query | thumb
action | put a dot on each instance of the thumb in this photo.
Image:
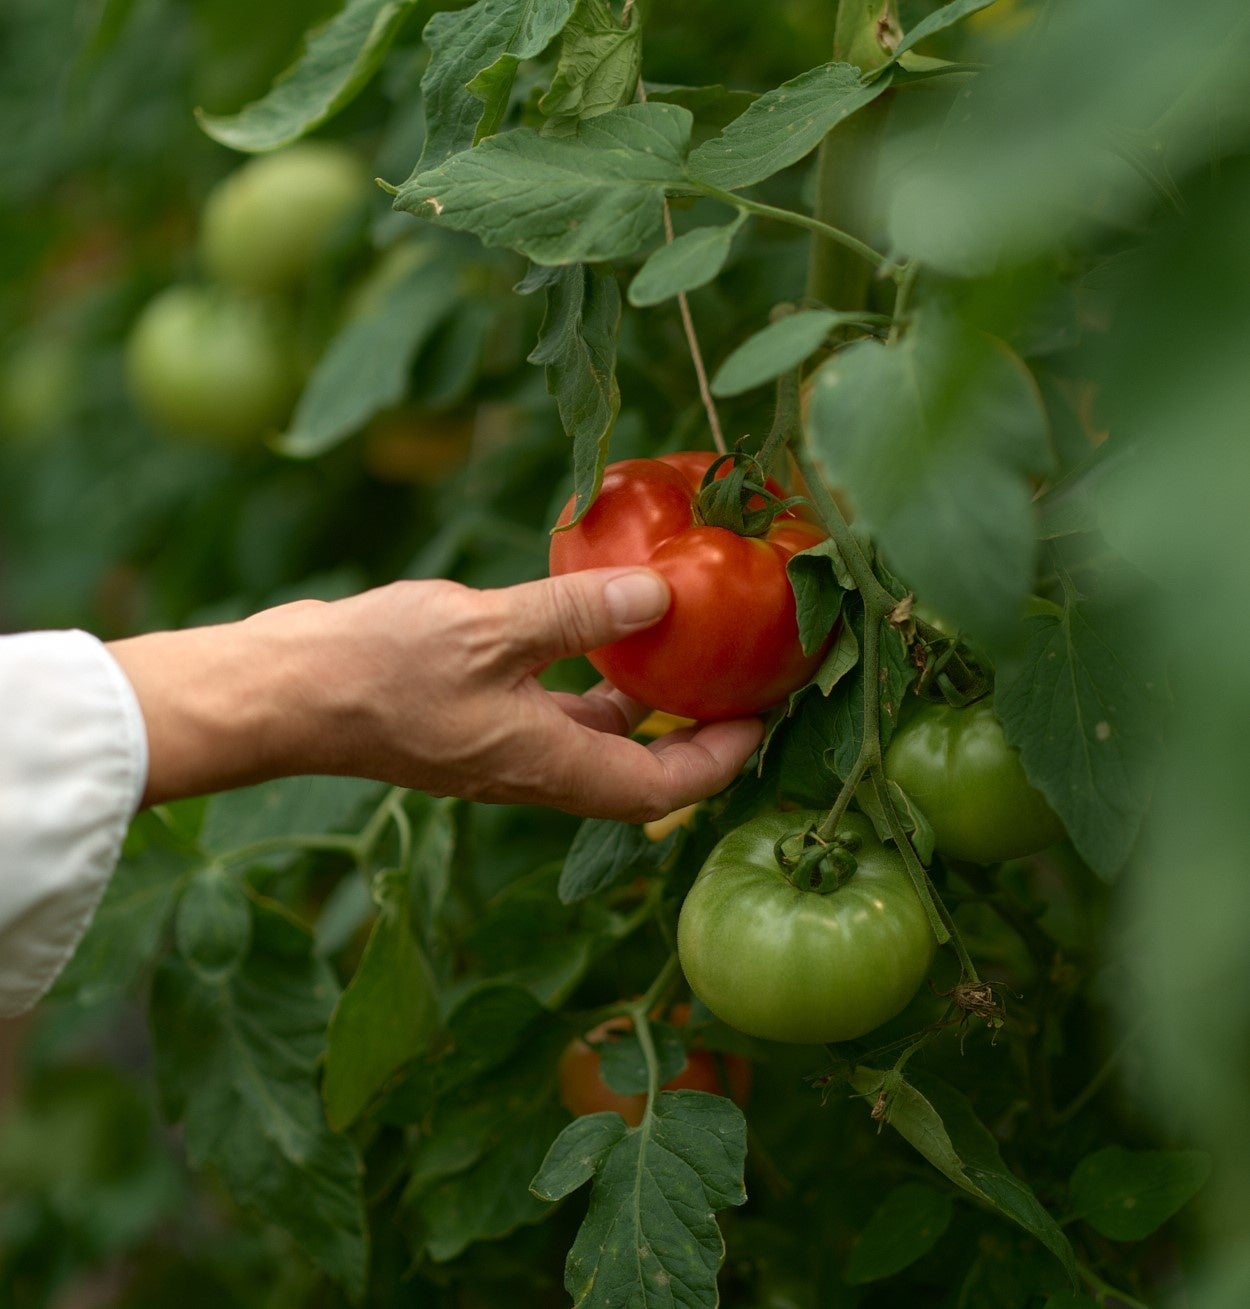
(577, 612)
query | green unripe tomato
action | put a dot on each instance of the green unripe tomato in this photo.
(211, 363)
(265, 226)
(779, 961)
(959, 768)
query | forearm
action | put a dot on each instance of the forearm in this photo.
(224, 706)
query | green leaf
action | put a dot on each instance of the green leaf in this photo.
(1069, 1300)
(933, 439)
(907, 1224)
(463, 45)
(365, 367)
(386, 1015)
(484, 1030)
(940, 1123)
(783, 125)
(600, 59)
(689, 261)
(213, 925)
(236, 1062)
(909, 815)
(433, 854)
(605, 852)
(714, 107)
(336, 62)
(651, 1229)
(526, 935)
(127, 929)
(1127, 1194)
(1029, 156)
(776, 349)
(286, 809)
(561, 200)
(577, 347)
(820, 580)
(468, 1167)
(1085, 705)
(939, 21)
(624, 1066)
(493, 87)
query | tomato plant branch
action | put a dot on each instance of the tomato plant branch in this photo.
(879, 261)
(1106, 1291)
(1099, 1079)
(877, 600)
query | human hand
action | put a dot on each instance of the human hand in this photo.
(427, 685)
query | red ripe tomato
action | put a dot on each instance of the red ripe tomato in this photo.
(729, 644)
(583, 1090)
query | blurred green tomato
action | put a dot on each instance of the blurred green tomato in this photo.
(265, 226)
(213, 363)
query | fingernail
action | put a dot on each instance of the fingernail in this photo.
(636, 598)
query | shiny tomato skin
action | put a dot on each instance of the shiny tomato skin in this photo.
(729, 644)
(787, 964)
(960, 769)
(583, 1090)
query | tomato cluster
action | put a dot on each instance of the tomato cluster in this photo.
(729, 644)
(218, 359)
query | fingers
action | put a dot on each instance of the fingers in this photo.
(577, 612)
(603, 708)
(602, 776)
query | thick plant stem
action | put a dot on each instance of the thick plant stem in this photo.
(845, 171)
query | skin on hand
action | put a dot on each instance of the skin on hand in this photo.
(428, 685)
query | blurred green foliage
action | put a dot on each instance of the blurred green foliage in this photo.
(1086, 200)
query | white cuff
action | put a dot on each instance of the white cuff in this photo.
(73, 767)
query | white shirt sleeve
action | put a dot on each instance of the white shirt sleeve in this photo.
(73, 766)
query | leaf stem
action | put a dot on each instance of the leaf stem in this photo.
(1105, 1290)
(687, 319)
(939, 916)
(879, 261)
(640, 1012)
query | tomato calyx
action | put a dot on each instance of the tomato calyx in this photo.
(739, 500)
(812, 863)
